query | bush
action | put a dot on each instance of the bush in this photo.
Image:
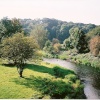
(37, 96)
(57, 89)
(59, 72)
(71, 77)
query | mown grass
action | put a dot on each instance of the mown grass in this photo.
(8, 88)
(39, 82)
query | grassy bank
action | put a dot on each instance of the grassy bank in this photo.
(40, 81)
(85, 59)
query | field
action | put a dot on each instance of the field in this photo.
(34, 80)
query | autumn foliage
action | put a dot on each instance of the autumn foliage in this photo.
(95, 46)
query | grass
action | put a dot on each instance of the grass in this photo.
(36, 77)
(8, 88)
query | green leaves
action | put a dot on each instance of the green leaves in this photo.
(18, 48)
(40, 34)
(78, 40)
(12, 26)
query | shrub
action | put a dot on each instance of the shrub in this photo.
(71, 77)
(57, 89)
(59, 72)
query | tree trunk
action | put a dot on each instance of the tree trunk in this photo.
(20, 71)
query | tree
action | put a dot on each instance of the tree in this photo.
(52, 48)
(12, 26)
(78, 40)
(2, 31)
(19, 49)
(95, 45)
(64, 31)
(56, 48)
(17, 27)
(40, 34)
(94, 32)
(74, 36)
(55, 41)
(48, 47)
(82, 45)
(66, 44)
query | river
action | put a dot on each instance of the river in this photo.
(88, 75)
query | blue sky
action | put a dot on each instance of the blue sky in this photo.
(86, 11)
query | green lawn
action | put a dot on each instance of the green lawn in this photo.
(12, 86)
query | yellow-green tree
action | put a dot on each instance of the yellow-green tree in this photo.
(40, 34)
(56, 48)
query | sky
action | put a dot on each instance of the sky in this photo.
(85, 11)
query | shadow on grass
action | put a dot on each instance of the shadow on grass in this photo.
(39, 68)
(9, 65)
(57, 89)
(55, 71)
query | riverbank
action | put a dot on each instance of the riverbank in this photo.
(40, 81)
(84, 59)
(87, 74)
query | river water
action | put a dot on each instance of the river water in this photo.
(88, 75)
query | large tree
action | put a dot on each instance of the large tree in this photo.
(94, 32)
(40, 34)
(95, 46)
(19, 49)
(12, 26)
(78, 40)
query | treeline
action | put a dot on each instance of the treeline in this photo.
(71, 35)
(54, 35)
(57, 29)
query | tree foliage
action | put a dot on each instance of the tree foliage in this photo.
(95, 46)
(78, 40)
(93, 33)
(18, 49)
(55, 41)
(12, 26)
(40, 34)
(57, 48)
(52, 47)
(48, 47)
(2, 31)
(57, 29)
(66, 44)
